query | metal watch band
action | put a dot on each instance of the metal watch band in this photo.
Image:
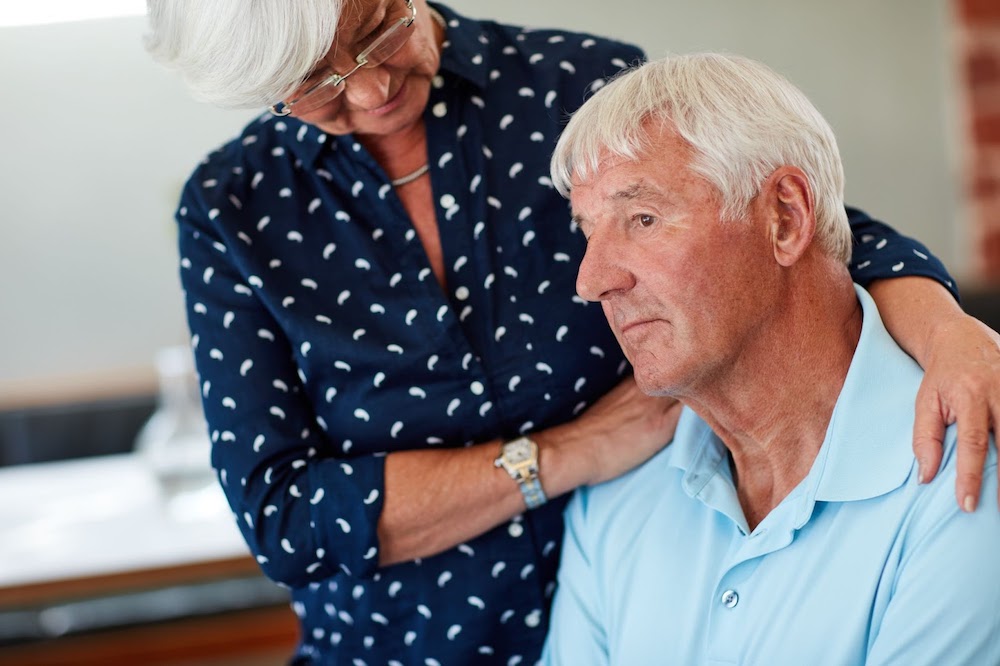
(534, 496)
(519, 458)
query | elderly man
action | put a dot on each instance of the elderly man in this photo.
(786, 524)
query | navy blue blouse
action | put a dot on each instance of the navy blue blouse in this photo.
(323, 341)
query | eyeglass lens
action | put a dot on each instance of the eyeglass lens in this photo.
(317, 94)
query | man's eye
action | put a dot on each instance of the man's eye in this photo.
(645, 220)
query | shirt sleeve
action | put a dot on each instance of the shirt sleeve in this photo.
(303, 512)
(881, 252)
(576, 631)
(945, 601)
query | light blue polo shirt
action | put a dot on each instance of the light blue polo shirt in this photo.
(858, 565)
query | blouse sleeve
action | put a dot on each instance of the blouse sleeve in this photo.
(880, 252)
(303, 512)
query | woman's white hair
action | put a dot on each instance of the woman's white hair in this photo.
(742, 119)
(241, 53)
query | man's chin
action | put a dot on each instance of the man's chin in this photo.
(650, 385)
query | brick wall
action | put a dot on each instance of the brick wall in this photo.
(979, 58)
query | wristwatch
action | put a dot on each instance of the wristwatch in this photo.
(519, 457)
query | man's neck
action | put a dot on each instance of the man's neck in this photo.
(772, 408)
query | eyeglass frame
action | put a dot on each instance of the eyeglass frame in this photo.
(283, 109)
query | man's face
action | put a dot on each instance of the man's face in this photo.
(683, 291)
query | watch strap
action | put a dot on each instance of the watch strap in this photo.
(534, 496)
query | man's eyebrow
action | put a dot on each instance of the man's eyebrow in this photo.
(635, 191)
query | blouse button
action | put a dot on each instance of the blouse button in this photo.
(447, 201)
(515, 530)
(477, 388)
(730, 598)
(462, 293)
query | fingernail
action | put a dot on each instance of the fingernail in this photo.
(921, 471)
(969, 505)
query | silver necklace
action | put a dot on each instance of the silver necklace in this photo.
(410, 177)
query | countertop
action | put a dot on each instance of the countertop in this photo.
(99, 565)
(102, 516)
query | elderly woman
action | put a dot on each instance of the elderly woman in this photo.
(394, 363)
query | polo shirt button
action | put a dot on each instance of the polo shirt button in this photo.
(515, 530)
(730, 598)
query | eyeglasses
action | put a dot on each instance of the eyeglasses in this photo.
(312, 96)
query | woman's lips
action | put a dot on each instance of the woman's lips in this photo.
(391, 104)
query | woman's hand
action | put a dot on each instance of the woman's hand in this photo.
(961, 385)
(961, 360)
(618, 432)
(438, 498)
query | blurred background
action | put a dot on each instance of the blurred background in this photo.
(97, 141)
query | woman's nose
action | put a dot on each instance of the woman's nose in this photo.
(368, 88)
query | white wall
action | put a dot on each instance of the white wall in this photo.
(96, 140)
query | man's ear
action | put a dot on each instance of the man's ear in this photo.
(792, 216)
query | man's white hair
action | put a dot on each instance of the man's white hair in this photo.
(241, 53)
(742, 119)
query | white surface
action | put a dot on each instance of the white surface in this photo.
(105, 515)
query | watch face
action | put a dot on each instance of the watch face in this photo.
(517, 451)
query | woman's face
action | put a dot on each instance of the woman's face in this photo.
(386, 99)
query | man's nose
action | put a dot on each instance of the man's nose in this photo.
(602, 272)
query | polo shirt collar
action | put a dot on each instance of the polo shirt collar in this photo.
(869, 439)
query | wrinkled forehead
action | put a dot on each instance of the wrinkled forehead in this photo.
(658, 144)
(589, 174)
